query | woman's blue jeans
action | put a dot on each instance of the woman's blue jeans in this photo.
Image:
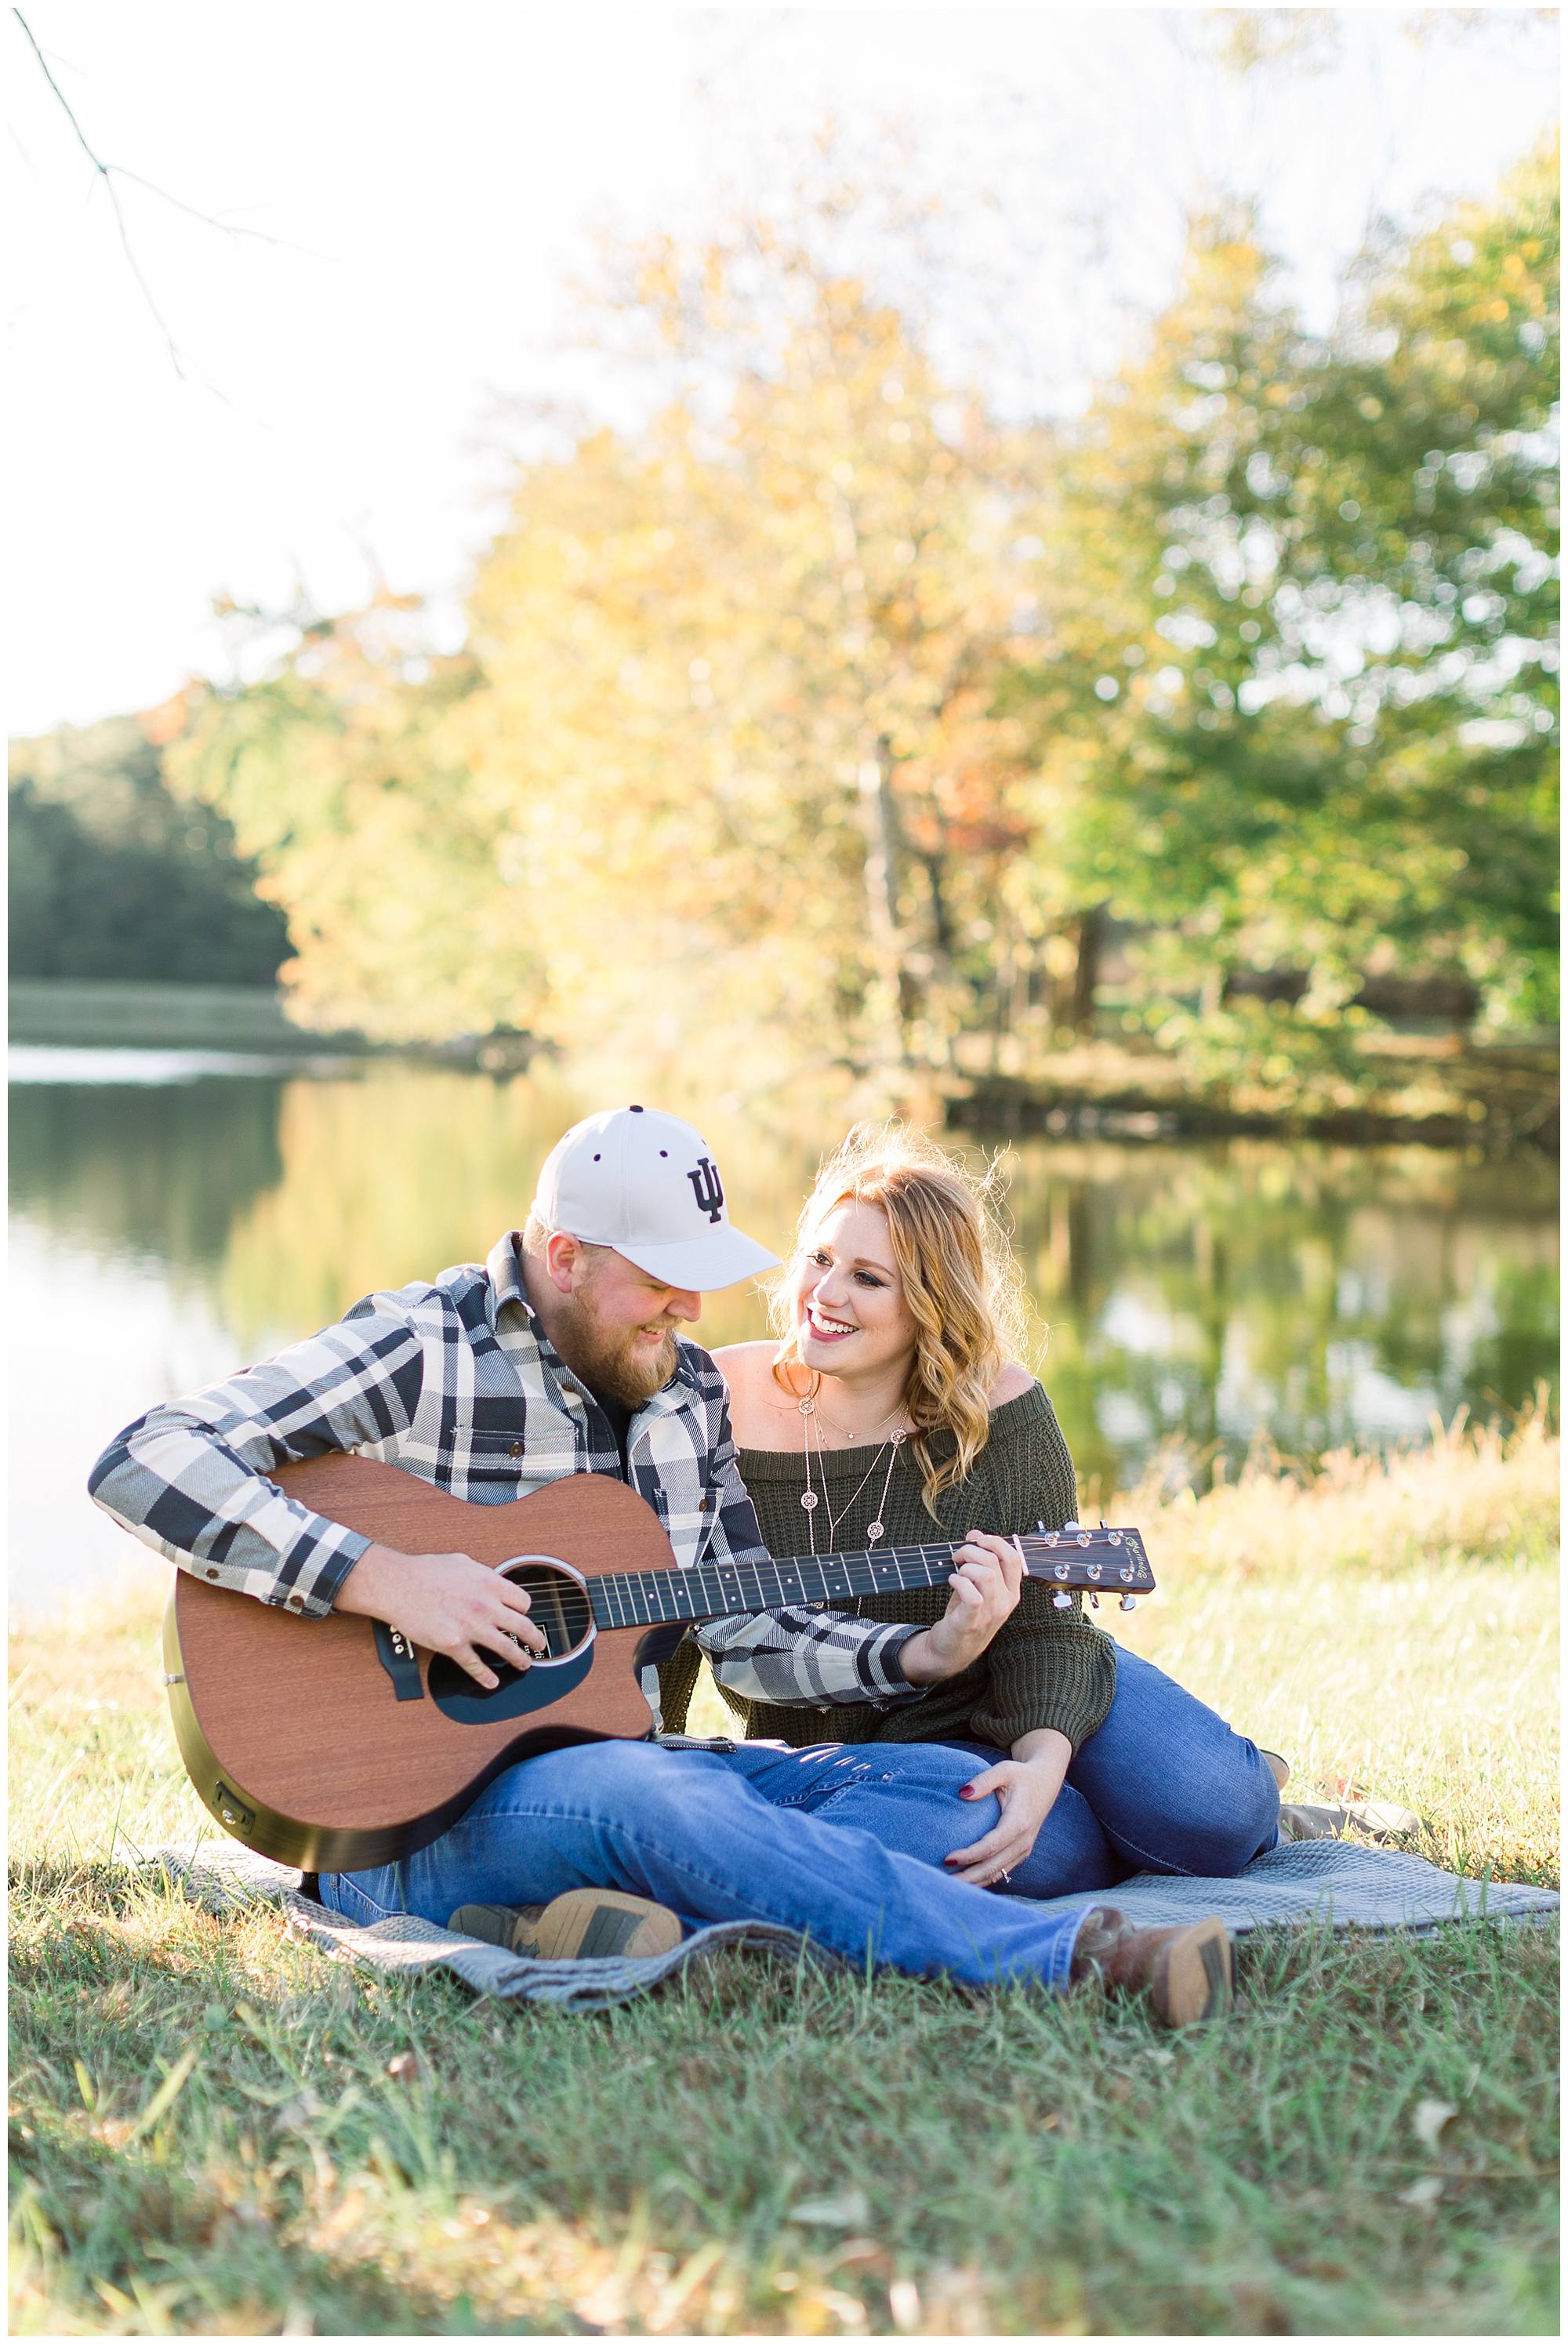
(846, 1841)
(1164, 1785)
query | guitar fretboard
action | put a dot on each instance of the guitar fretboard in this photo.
(642, 1599)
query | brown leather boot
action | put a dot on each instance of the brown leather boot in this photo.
(1186, 1972)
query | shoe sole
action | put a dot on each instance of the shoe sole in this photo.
(583, 1925)
(1194, 1975)
(599, 1924)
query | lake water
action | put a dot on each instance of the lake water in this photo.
(174, 1214)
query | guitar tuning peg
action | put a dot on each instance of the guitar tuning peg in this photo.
(1062, 1601)
(1129, 1603)
(1094, 1601)
(1040, 1526)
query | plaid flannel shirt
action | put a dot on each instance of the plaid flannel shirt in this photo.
(456, 1381)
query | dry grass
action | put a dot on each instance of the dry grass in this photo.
(1484, 1493)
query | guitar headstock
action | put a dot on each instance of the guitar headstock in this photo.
(1102, 1562)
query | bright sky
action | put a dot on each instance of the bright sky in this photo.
(430, 175)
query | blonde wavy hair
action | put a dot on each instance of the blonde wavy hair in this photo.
(961, 1283)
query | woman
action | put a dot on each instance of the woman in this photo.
(890, 1403)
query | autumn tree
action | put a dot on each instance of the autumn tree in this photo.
(741, 676)
(723, 756)
(331, 767)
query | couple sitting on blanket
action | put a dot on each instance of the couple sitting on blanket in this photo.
(911, 1773)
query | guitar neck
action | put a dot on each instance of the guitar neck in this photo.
(1109, 1559)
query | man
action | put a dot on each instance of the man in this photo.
(561, 1355)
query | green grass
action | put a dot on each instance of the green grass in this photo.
(218, 2130)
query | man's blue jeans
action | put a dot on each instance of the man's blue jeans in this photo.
(846, 1841)
(814, 1839)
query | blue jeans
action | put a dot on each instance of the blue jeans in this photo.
(821, 1839)
(1164, 1785)
(846, 1841)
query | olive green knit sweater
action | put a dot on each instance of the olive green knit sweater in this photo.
(1043, 1667)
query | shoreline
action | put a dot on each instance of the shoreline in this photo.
(1026, 1109)
(1435, 1091)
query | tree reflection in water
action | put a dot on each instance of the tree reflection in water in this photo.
(1214, 1292)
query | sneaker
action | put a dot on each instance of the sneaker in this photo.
(1186, 1972)
(1279, 1767)
(585, 1924)
(1373, 1818)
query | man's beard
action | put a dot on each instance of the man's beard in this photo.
(607, 1363)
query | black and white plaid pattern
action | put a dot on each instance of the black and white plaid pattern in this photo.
(456, 1381)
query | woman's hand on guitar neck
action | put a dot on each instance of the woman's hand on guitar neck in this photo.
(985, 1582)
(447, 1602)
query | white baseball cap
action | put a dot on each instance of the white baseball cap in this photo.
(647, 1185)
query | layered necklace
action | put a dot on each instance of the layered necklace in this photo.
(810, 1497)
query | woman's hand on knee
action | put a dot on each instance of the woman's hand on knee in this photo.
(1026, 1790)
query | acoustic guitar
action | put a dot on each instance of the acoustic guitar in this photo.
(336, 1744)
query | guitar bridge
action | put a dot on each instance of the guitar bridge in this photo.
(400, 1661)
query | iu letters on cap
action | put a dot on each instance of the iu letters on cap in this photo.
(707, 1188)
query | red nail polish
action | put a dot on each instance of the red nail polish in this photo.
(965, 1793)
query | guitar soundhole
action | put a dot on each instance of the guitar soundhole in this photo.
(558, 1605)
(559, 1608)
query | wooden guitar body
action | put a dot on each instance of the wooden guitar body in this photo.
(307, 1740)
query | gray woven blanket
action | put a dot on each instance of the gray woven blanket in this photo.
(1338, 1883)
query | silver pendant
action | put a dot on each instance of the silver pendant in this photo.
(873, 1532)
(808, 1498)
(806, 1406)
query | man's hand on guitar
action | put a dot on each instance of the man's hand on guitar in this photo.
(985, 1584)
(447, 1602)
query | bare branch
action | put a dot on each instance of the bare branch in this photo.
(225, 227)
(104, 171)
(59, 92)
(108, 173)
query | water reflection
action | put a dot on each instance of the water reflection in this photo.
(1311, 1294)
(1214, 1291)
(156, 1173)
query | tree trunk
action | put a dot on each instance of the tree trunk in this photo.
(1091, 938)
(894, 984)
(941, 924)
